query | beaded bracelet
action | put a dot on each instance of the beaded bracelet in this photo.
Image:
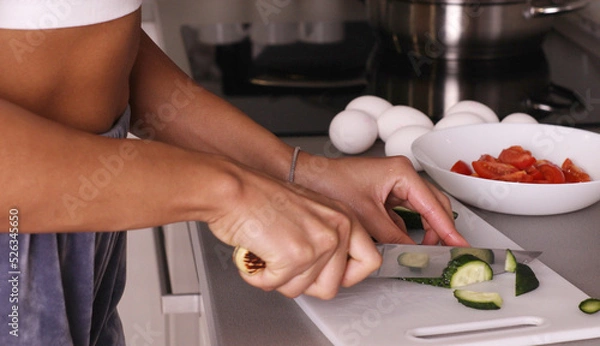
(293, 166)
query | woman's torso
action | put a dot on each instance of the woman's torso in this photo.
(77, 76)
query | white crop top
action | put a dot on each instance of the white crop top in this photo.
(54, 14)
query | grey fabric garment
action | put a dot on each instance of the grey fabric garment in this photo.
(65, 287)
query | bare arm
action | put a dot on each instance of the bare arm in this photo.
(63, 179)
(170, 107)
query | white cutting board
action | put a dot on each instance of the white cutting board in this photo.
(379, 312)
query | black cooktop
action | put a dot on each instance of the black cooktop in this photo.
(559, 84)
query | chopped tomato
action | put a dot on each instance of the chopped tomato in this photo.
(492, 170)
(461, 167)
(535, 173)
(518, 177)
(574, 174)
(517, 156)
(552, 173)
(487, 158)
(517, 164)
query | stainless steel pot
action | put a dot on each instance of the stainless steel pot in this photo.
(514, 84)
(465, 29)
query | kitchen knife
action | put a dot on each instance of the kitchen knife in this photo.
(408, 261)
(419, 261)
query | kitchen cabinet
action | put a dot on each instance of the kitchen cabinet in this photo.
(140, 307)
(151, 316)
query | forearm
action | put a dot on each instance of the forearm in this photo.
(64, 180)
(169, 107)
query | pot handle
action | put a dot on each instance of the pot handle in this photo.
(555, 7)
(556, 99)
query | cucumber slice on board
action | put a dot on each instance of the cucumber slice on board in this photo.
(590, 305)
(525, 279)
(411, 218)
(483, 254)
(461, 271)
(479, 300)
(466, 270)
(510, 264)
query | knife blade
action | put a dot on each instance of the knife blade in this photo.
(428, 261)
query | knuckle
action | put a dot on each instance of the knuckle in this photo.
(342, 220)
(301, 254)
(328, 241)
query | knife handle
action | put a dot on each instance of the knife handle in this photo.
(247, 262)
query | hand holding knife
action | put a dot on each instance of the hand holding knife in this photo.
(437, 259)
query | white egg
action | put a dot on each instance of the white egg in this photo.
(519, 118)
(372, 105)
(473, 107)
(401, 116)
(353, 131)
(401, 140)
(458, 119)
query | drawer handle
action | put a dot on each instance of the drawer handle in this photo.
(172, 303)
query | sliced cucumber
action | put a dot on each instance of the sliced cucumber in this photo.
(411, 218)
(483, 254)
(510, 264)
(525, 280)
(479, 300)
(417, 260)
(467, 269)
(590, 305)
(437, 281)
(461, 271)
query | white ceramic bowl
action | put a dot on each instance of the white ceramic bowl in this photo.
(437, 151)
